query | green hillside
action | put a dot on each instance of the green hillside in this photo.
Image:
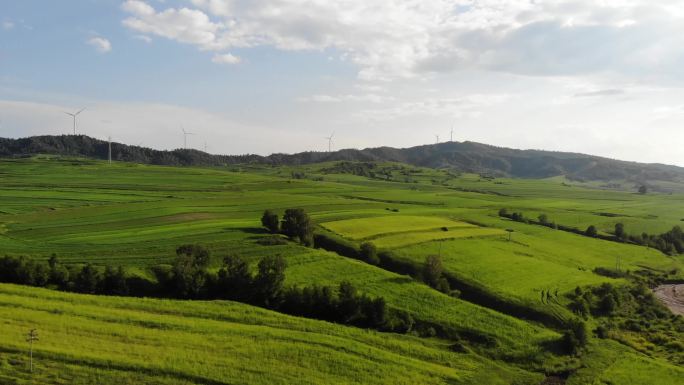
(136, 215)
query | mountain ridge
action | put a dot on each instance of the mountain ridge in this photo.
(461, 156)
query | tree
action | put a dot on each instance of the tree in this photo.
(114, 281)
(88, 279)
(503, 212)
(619, 230)
(608, 304)
(270, 221)
(576, 336)
(369, 253)
(189, 274)
(348, 305)
(297, 224)
(234, 279)
(591, 231)
(643, 189)
(543, 219)
(433, 270)
(268, 283)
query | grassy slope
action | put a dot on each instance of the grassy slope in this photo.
(136, 215)
(86, 339)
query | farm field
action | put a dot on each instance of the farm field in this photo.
(109, 340)
(136, 215)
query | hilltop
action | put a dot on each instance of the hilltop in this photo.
(466, 156)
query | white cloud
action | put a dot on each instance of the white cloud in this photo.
(7, 25)
(144, 38)
(409, 38)
(184, 25)
(226, 59)
(100, 44)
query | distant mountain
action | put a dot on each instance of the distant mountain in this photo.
(461, 156)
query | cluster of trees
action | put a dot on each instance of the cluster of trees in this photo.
(597, 301)
(296, 224)
(189, 278)
(542, 219)
(671, 242)
(630, 308)
(82, 279)
(344, 305)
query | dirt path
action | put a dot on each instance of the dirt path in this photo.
(672, 296)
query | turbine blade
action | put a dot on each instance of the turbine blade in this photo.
(83, 109)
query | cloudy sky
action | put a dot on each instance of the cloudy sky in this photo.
(604, 77)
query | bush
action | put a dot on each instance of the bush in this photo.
(591, 231)
(270, 221)
(576, 337)
(369, 253)
(297, 224)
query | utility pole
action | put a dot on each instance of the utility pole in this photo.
(110, 150)
(32, 336)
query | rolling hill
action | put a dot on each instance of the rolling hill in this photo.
(468, 157)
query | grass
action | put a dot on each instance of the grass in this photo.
(136, 215)
(125, 341)
(368, 227)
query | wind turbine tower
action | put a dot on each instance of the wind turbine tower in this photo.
(110, 149)
(185, 138)
(452, 134)
(330, 138)
(437, 138)
(74, 115)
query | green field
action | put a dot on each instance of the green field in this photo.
(136, 215)
(87, 340)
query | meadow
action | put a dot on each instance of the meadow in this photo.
(136, 215)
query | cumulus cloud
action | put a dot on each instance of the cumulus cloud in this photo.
(409, 38)
(226, 58)
(100, 44)
(7, 25)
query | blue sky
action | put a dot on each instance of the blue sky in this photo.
(268, 76)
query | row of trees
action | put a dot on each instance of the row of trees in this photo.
(83, 279)
(671, 242)
(189, 278)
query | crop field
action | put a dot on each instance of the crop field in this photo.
(136, 215)
(109, 340)
(371, 227)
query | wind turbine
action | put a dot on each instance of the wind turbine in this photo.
(452, 133)
(185, 137)
(437, 138)
(330, 138)
(74, 115)
(109, 139)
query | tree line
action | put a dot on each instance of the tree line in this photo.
(671, 242)
(189, 278)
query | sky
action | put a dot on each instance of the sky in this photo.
(604, 77)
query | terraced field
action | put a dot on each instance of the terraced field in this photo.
(135, 215)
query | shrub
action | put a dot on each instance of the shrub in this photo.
(297, 224)
(591, 231)
(270, 221)
(369, 253)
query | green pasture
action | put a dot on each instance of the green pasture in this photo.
(368, 227)
(125, 341)
(136, 215)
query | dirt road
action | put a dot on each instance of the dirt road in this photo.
(672, 296)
